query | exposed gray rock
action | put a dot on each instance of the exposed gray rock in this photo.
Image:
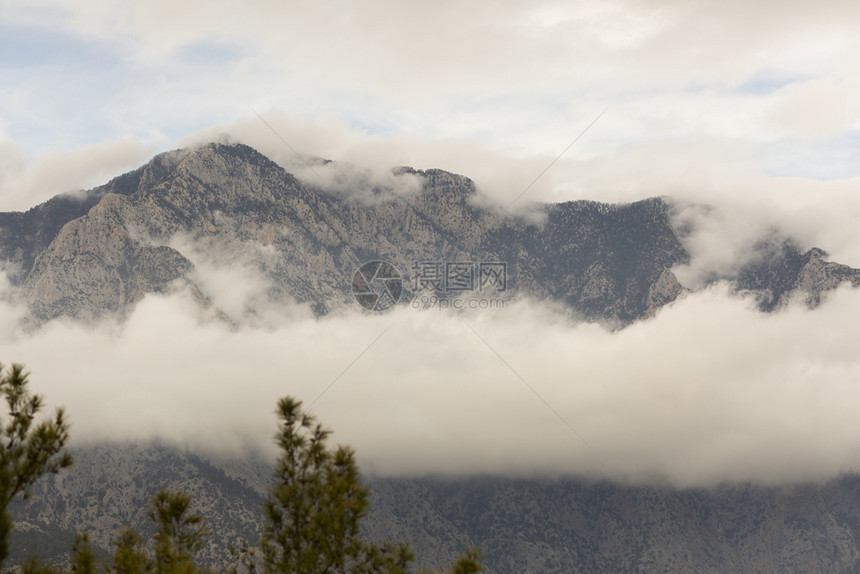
(104, 254)
(101, 251)
(783, 271)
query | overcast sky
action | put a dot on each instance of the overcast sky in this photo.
(768, 85)
(724, 101)
(753, 107)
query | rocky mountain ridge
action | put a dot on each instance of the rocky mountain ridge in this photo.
(103, 250)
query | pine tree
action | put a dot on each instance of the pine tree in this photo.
(314, 509)
(179, 535)
(129, 556)
(83, 557)
(313, 512)
(27, 451)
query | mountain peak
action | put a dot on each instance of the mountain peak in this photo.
(606, 262)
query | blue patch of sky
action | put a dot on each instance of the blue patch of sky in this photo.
(34, 47)
(50, 80)
(835, 158)
(61, 90)
(767, 81)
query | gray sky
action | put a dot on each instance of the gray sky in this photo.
(749, 106)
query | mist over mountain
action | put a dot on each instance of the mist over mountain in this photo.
(103, 250)
(621, 378)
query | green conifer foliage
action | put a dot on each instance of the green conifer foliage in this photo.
(28, 449)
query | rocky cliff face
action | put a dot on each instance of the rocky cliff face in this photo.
(782, 271)
(102, 251)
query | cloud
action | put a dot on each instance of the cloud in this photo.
(361, 161)
(518, 77)
(230, 275)
(26, 182)
(708, 391)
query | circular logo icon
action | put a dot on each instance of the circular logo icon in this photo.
(377, 285)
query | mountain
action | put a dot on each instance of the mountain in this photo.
(101, 251)
(153, 230)
(521, 525)
(109, 487)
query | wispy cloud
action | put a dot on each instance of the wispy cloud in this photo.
(25, 182)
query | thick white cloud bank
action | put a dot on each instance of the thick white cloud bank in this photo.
(708, 391)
